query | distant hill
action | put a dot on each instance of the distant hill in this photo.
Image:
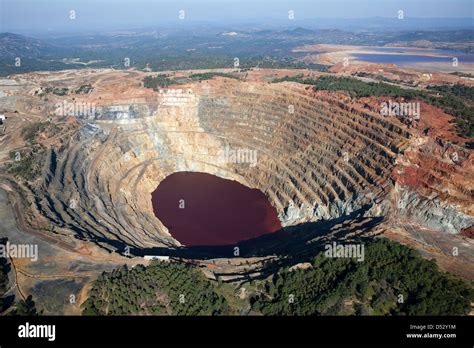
(14, 45)
(301, 31)
(208, 48)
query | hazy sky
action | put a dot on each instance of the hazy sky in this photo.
(45, 15)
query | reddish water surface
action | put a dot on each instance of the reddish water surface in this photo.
(216, 211)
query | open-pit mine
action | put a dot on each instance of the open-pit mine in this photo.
(96, 144)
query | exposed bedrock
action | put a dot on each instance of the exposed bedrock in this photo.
(431, 212)
(313, 156)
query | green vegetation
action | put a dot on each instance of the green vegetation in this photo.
(27, 164)
(318, 67)
(161, 288)
(157, 82)
(354, 87)
(58, 91)
(187, 62)
(450, 99)
(455, 106)
(393, 280)
(4, 270)
(457, 89)
(462, 74)
(410, 83)
(54, 90)
(247, 61)
(32, 130)
(84, 89)
(257, 47)
(25, 307)
(279, 63)
(163, 81)
(211, 75)
(22, 307)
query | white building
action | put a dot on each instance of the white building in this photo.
(2, 117)
(156, 257)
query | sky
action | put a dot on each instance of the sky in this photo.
(43, 15)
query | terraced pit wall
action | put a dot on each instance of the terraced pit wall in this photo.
(317, 157)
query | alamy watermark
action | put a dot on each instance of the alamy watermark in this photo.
(400, 109)
(19, 251)
(76, 109)
(237, 156)
(37, 331)
(335, 250)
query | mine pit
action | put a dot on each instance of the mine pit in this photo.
(325, 159)
(203, 209)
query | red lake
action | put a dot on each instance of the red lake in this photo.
(203, 209)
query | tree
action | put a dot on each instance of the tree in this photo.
(25, 307)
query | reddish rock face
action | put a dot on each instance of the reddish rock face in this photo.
(202, 209)
(468, 232)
